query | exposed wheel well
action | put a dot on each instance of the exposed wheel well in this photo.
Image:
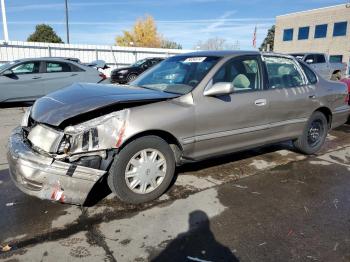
(335, 72)
(168, 137)
(328, 113)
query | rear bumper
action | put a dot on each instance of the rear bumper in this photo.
(340, 117)
(46, 178)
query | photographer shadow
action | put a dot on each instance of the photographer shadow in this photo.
(197, 244)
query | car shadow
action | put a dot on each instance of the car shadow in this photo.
(15, 104)
(102, 190)
(233, 157)
(197, 244)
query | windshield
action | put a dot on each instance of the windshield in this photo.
(178, 74)
(140, 62)
(7, 65)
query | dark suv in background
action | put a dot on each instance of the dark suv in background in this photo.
(127, 74)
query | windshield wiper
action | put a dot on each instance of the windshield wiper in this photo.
(156, 89)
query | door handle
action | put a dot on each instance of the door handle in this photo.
(312, 97)
(36, 77)
(73, 74)
(260, 102)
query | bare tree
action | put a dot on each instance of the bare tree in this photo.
(215, 43)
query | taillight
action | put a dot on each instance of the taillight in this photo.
(103, 76)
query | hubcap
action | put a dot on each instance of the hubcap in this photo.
(145, 171)
(131, 78)
(315, 133)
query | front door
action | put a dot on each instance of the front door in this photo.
(59, 75)
(236, 121)
(24, 85)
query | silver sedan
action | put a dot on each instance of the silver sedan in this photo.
(29, 79)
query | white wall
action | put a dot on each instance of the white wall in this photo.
(114, 56)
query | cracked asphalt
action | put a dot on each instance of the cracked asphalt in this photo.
(267, 204)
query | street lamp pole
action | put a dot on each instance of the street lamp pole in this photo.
(67, 25)
(4, 21)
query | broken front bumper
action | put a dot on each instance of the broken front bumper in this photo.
(46, 178)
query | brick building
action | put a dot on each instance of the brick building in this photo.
(325, 30)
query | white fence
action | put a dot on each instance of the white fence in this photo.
(114, 56)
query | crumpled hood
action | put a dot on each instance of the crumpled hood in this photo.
(79, 98)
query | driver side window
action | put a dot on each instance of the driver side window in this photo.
(243, 72)
(26, 68)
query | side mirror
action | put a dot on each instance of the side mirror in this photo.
(7, 73)
(309, 61)
(221, 88)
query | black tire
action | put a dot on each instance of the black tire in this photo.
(131, 77)
(309, 143)
(116, 177)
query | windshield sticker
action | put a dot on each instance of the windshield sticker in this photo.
(194, 60)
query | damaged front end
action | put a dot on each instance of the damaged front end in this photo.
(64, 165)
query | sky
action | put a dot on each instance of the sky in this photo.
(184, 21)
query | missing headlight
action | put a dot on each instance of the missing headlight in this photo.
(45, 138)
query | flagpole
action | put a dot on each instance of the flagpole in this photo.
(67, 23)
(4, 21)
(254, 37)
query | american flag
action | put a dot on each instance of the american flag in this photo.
(254, 38)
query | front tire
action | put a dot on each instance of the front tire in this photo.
(314, 135)
(142, 171)
(131, 78)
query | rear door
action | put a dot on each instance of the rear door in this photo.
(24, 85)
(292, 97)
(85, 74)
(58, 75)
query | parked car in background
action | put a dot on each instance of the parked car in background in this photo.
(29, 79)
(190, 107)
(127, 74)
(347, 82)
(321, 64)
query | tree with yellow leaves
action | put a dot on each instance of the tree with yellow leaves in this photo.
(144, 34)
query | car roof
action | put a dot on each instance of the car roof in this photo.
(220, 53)
(229, 53)
(307, 53)
(154, 58)
(58, 59)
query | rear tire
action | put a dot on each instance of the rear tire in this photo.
(139, 163)
(314, 134)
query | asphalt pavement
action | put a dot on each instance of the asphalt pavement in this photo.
(267, 204)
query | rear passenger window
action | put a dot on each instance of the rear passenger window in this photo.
(242, 72)
(311, 77)
(283, 72)
(57, 67)
(76, 68)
